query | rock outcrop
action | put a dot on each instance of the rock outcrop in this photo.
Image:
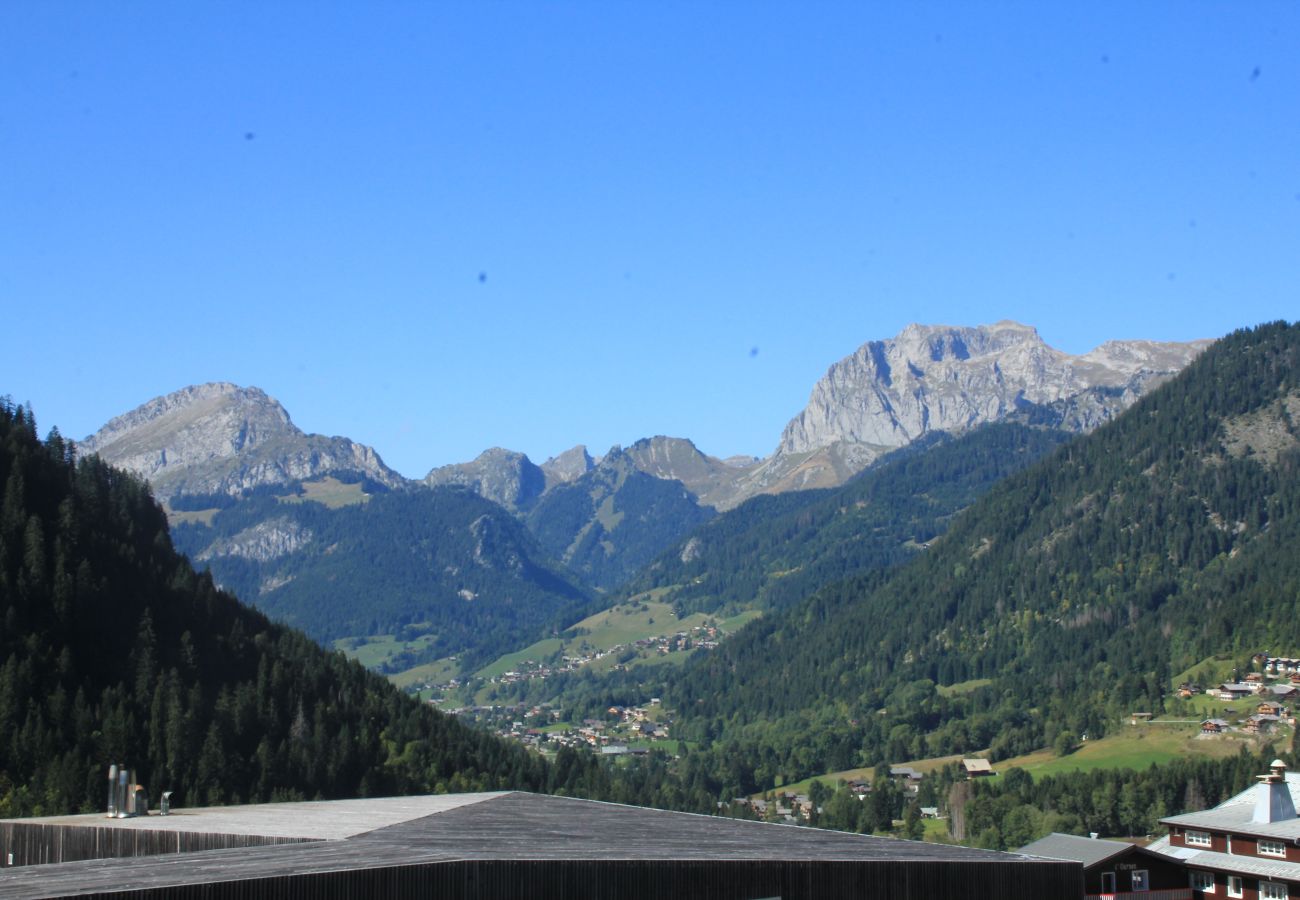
(942, 378)
(570, 465)
(220, 438)
(502, 476)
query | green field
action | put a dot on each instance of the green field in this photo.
(964, 687)
(1209, 671)
(330, 492)
(376, 650)
(1132, 747)
(439, 672)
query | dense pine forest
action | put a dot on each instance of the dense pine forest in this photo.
(443, 563)
(113, 649)
(774, 550)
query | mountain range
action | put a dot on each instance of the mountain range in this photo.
(234, 471)
(1028, 586)
(1068, 595)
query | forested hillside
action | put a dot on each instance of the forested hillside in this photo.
(772, 551)
(1072, 590)
(112, 649)
(613, 520)
(443, 566)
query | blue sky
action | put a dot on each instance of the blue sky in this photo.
(439, 227)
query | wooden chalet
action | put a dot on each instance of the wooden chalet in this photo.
(1247, 847)
(977, 768)
(494, 845)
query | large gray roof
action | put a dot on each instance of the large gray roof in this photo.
(1235, 814)
(1088, 851)
(507, 826)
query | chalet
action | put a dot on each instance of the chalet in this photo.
(1116, 869)
(1213, 726)
(977, 768)
(1188, 689)
(859, 788)
(929, 812)
(907, 774)
(1260, 724)
(1271, 708)
(1246, 847)
(1234, 690)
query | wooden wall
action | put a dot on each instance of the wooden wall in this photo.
(38, 844)
(646, 880)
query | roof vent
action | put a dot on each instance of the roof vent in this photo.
(1273, 801)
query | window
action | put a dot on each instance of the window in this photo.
(1201, 881)
(1271, 848)
(1197, 838)
(1272, 890)
(1234, 886)
(1108, 882)
(1140, 880)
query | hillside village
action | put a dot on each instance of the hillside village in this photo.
(623, 654)
(1267, 697)
(625, 730)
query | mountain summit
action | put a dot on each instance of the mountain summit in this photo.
(220, 438)
(945, 378)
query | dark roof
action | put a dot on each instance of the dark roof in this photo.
(499, 827)
(1088, 851)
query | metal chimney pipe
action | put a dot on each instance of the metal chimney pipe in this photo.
(112, 791)
(122, 776)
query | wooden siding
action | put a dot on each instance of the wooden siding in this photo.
(41, 844)
(645, 880)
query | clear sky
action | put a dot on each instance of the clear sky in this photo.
(440, 227)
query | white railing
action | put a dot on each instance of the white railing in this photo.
(1169, 894)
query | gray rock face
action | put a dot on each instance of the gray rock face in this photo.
(262, 542)
(570, 465)
(929, 378)
(220, 438)
(712, 480)
(502, 476)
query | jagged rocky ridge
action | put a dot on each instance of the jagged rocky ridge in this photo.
(944, 378)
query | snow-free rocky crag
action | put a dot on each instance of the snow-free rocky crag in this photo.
(220, 438)
(942, 378)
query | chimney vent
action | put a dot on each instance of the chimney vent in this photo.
(1273, 801)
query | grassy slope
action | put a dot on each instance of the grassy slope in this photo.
(1135, 747)
(626, 623)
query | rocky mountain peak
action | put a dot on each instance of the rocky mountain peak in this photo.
(952, 378)
(570, 465)
(223, 438)
(502, 476)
